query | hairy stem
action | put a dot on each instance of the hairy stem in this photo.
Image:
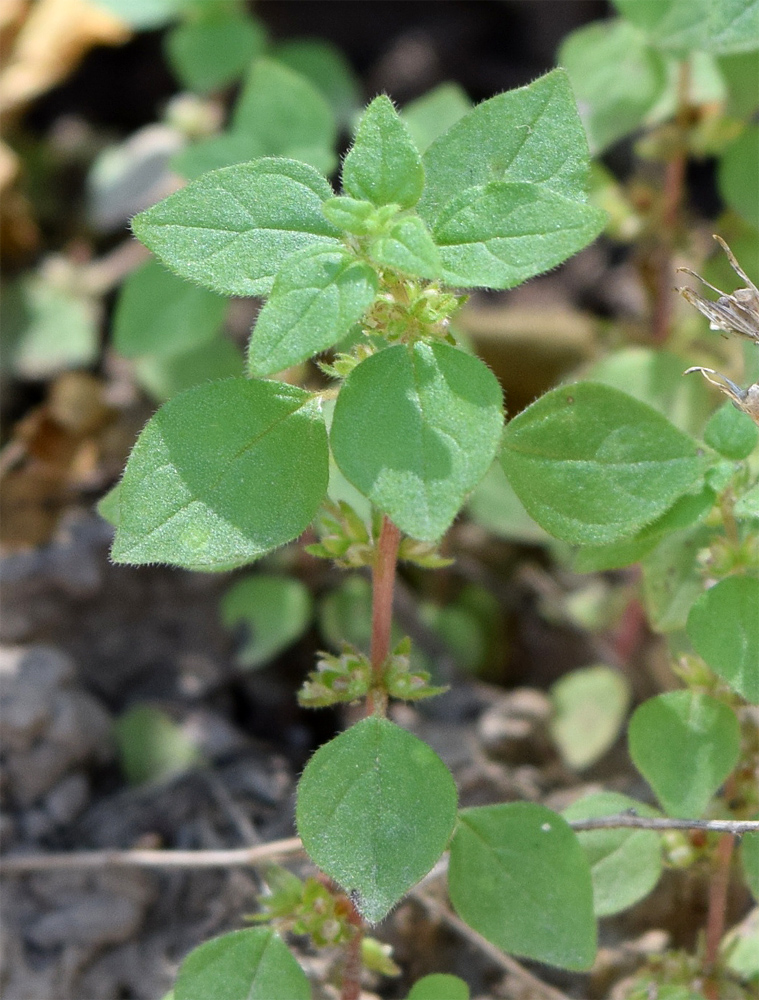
(715, 921)
(383, 581)
(351, 986)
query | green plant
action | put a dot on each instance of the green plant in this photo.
(228, 471)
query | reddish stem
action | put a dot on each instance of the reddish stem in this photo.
(715, 921)
(351, 986)
(383, 582)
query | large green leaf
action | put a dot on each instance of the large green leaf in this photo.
(275, 610)
(682, 25)
(376, 807)
(232, 229)
(165, 375)
(383, 166)
(616, 76)
(316, 299)
(519, 876)
(684, 744)
(222, 474)
(723, 626)
(672, 578)
(592, 465)
(328, 70)
(158, 313)
(625, 865)
(415, 429)
(431, 115)
(589, 708)
(253, 964)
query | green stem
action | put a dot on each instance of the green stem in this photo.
(383, 582)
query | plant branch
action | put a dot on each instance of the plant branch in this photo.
(383, 581)
(18, 864)
(715, 922)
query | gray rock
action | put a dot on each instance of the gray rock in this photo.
(33, 773)
(25, 713)
(92, 920)
(67, 800)
(42, 667)
(514, 730)
(81, 727)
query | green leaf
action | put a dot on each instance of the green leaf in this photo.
(46, 328)
(747, 506)
(415, 429)
(164, 376)
(738, 175)
(253, 964)
(731, 433)
(723, 626)
(375, 809)
(520, 207)
(222, 474)
(108, 506)
(656, 378)
(232, 229)
(519, 876)
(683, 25)
(327, 69)
(383, 165)
(589, 707)
(741, 73)
(592, 465)
(212, 51)
(431, 115)
(499, 234)
(672, 578)
(625, 865)
(439, 986)
(316, 299)
(345, 614)
(750, 862)
(152, 747)
(690, 509)
(495, 506)
(349, 213)
(282, 111)
(684, 735)
(616, 76)
(276, 611)
(407, 246)
(158, 313)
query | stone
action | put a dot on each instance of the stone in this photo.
(91, 920)
(81, 727)
(25, 713)
(33, 773)
(42, 667)
(67, 800)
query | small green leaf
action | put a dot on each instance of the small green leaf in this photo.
(144, 15)
(164, 376)
(316, 299)
(212, 51)
(328, 70)
(723, 626)
(431, 115)
(276, 611)
(684, 744)
(232, 229)
(519, 876)
(158, 313)
(282, 110)
(46, 328)
(750, 862)
(222, 474)
(252, 964)
(741, 73)
(349, 213)
(672, 579)
(439, 986)
(407, 246)
(375, 809)
(152, 747)
(589, 708)
(383, 166)
(625, 865)
(616, 76)
(415, 429)
(747, 506)
(738, 174)
(684, 25)
(499, 234)
(532, 135)
(592, 465)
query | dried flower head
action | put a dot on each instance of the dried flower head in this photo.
(734, 313)
(746, 400)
